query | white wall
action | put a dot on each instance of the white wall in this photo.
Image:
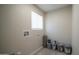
(59, 24)
(75, 29)
(15, 19)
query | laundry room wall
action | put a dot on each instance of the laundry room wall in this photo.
(59, 24)
(14, 21)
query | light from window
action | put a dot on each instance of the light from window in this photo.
(37, 21)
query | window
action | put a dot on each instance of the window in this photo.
(37, 21)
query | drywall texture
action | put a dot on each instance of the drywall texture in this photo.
(15, 19)
(75, 30)
(59, 24)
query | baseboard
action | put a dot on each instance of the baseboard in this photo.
(34, 52)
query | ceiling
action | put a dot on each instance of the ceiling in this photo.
(50, 7)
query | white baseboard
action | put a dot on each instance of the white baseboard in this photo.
(34, 52)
